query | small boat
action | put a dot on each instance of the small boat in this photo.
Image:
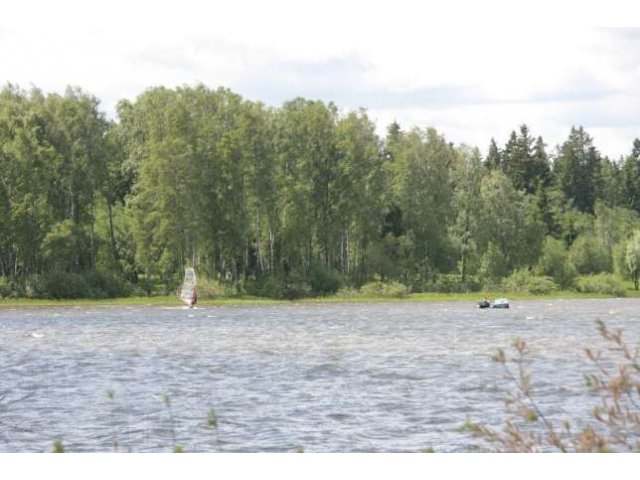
(500, 303)
(483, 304)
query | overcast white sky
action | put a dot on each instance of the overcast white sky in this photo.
(473, 70)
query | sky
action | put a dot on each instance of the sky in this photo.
(472, 70)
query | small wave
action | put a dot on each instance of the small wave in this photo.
(34, 334)
(338, 416)
(326, 369)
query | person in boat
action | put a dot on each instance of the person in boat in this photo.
(194, 299)
(484, 303)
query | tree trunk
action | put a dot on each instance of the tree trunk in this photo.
(271, 248)
(112, 236)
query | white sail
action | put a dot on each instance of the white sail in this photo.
(188, 292)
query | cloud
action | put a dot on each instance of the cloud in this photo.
(442, 67)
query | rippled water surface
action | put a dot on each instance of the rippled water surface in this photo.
(338, 378)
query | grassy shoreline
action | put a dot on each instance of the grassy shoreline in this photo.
(169, 300)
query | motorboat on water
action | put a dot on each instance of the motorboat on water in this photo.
(497, 303)
(500, 303)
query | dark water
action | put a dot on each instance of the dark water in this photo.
(330, 378)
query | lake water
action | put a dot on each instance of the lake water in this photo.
(389, 377)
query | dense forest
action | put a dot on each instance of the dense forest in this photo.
(295, 201)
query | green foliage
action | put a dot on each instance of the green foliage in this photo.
(510, 232)
(107, 284)
(287, 287)
(452, 283)
(493, 266)
(92, 284)
(604, 283)
(324, 281)
(294, 287)
(260, 198)
(631, 178)
(57, 284)
(524, 281)
(632, 258)
(58, 447)
(385, 289)
(209, 289)
(11, 288)
(554, 262)
(589, 255)
(264, 286)
(577, 170)
(212, 419)
(61, 246)
(524, 161)
(389, 255)
(422, 190)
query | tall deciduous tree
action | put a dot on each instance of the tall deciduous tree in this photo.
(360, 192)
(52, 164)
(468, 172)
(422, 187)
(632, 258)
(307, 159)
(510, 224)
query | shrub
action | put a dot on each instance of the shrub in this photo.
(617, 416)
(324, 281)
(9, 287)
(349, 292)
(603, 283)
(294, 288)
(264, 286)
(107, 284)
(210, 288)
(524, 281)
(450, 283)
(554, 262)
(493, 266)
(589, 255)
(385, 289)
(289, 287)
(61, 285)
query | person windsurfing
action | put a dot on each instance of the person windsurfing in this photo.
(188, 292)
(194, 299)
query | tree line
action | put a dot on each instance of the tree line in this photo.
(293, 201)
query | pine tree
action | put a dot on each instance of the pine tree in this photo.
(494, 157)
(514, 160)
(539, 171)
(631, 178)
(577, 170)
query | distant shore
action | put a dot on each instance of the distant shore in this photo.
(169, 300)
